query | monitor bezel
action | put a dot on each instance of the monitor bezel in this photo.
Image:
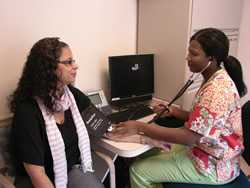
(133, 98)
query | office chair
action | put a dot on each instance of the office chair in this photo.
(246, 130)
(240, 182)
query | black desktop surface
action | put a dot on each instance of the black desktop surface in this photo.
(132, 113)
(170, 122)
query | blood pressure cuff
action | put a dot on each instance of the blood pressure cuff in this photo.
(95, 121)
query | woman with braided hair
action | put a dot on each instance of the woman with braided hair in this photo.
(209, 144)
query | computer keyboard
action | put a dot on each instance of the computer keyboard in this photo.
(133, 113)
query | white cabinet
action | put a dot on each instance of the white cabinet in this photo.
(164, 28)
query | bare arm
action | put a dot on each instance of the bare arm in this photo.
(174, 135)
(38, 176)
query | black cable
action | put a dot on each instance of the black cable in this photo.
(178, 95)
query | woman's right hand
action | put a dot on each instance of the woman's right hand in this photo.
(123, 129)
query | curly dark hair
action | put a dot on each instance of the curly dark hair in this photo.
(38, 78)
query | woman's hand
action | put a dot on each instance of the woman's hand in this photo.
(127, 128)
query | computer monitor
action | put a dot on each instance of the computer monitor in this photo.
(131, 78)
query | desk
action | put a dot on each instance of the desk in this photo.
(123, 149)
(126, 149)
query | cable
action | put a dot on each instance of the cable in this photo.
(178, 95)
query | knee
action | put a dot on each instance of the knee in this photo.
(135, 169)
(135, 176)
(131, 170)
(139, 175)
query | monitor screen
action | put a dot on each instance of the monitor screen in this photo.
(95, 99)
(131, 76)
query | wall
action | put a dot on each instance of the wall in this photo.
(95, 29)
(162, 29)
(244, 45)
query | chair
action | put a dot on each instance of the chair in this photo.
(6, 170)
(103, 160)
(246, 130)
(240, 182)
(104, 164)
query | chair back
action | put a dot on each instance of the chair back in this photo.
(7, 172)
(6, 167)
(246, 130)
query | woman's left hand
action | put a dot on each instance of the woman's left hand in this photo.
(127, 128)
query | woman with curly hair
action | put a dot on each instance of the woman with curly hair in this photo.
(50, 142)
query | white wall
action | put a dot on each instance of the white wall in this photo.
(95, 29)
(244, 45)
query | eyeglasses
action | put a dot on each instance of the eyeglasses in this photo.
(67, 62)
